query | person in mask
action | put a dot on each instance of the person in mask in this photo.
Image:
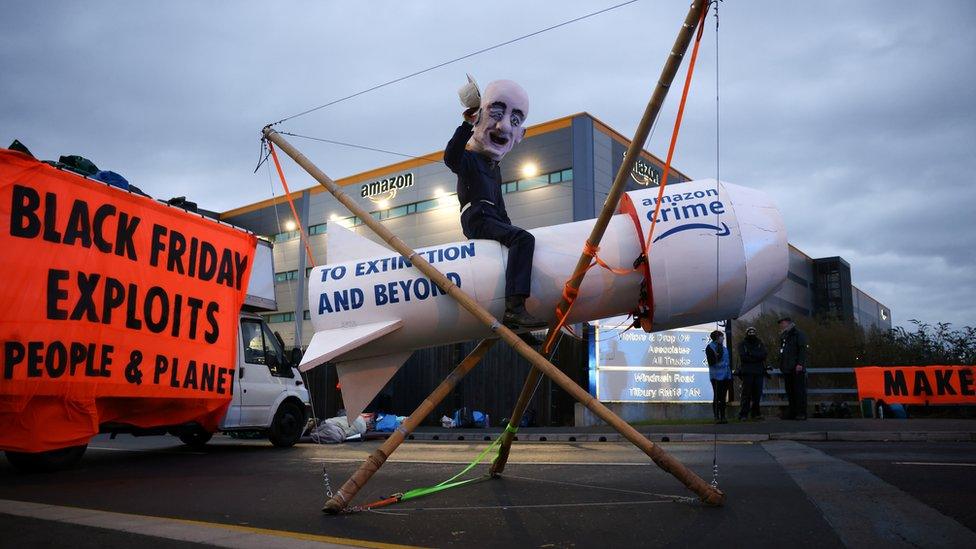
(493, 124)
(752, 368)
(792, 364)
(720, 374)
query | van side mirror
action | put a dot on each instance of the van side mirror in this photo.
(295, 356)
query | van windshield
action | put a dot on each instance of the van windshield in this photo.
(262, 347)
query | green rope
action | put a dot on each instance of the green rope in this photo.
(453, 482)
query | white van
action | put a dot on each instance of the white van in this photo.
(269, 396)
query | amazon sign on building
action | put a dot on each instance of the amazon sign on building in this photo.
(561, 172)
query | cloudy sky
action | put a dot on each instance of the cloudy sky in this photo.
(858, 117)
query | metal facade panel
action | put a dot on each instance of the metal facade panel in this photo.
(583, 206)
(603, 169)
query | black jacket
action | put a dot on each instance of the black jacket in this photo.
(792, 350)
(752, 356)
(479, 177)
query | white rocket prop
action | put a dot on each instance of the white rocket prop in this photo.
(719, 250)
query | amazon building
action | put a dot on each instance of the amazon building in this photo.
(561, 172)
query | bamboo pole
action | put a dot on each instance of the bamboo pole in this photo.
(348, 491)
(695, 13)
(706, 492)
(505, 446)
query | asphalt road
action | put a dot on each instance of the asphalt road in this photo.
(553, 494)
(941, 475)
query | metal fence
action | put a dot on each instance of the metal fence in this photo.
(824, 386)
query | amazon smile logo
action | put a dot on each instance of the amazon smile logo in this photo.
(386, 189)
(644, 174)
(719, 231)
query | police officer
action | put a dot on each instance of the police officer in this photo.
(752, 369)
(793, 366)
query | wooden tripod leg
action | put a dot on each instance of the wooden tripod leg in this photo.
(498, 466)
(376, 460)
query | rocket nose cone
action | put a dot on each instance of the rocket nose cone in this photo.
(764, 243)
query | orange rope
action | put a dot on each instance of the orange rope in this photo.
(570, 293)
(291, 203)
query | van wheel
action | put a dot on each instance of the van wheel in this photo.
(195, 437)
(45, 462)
(287, 426)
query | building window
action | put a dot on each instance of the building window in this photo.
(425, 205)
(287, 235)
(307, 315)
(286, 276)
(278, 318)
(796, 278)
(319, 228)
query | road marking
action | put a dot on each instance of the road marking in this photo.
(147, 451)
(935, 463)
(864, 510)
(452, 462)
(595, 487)
(212, 533)
(535, 505)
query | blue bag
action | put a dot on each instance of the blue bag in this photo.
(386, 423)
(479, 419)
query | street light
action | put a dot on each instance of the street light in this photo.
(530, 169)
(289, 225)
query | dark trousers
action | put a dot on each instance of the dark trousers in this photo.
(485, 221)
(796, 392)
(752, 386)
(720, 391)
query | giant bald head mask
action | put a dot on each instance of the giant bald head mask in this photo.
(504, 106)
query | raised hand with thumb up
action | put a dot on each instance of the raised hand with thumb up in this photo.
(470, 97)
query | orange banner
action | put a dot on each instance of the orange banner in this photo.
(117, 309)
(918, 384)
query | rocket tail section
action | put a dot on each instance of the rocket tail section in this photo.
(328, 345)
(361, 380)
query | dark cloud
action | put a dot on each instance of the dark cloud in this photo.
(857, 117)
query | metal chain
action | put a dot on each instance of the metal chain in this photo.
(329, 494)
(328, 485)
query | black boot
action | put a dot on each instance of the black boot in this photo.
(517, 318)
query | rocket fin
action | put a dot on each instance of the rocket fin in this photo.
(345, 245)
(329, 344)
(361, 380)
